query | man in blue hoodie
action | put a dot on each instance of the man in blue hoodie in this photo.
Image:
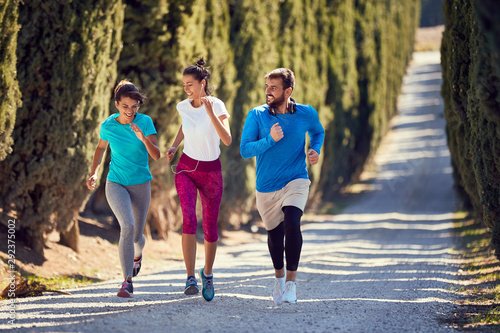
(276, 134)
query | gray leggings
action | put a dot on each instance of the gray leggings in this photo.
(130, 205)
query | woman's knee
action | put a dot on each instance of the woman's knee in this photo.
(212, 237)
(127, 229)
(189, 226)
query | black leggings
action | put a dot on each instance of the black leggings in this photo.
(288, 230)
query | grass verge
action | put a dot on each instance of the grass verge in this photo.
(479, 301)
(31, 285)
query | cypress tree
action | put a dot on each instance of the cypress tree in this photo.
(161, 39)
(206, 32)
(470, 91)
(303, 47)
(255, 41)
(9, 87)
(67, 57)
(454, 63)
(371, 44)
(342, 96)
(150, 59)
(486, 81)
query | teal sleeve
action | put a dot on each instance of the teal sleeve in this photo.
(150, 127)
(103, 133)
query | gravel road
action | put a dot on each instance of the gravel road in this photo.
(384, 264)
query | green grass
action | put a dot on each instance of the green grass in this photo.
(44, 284)
(480, 299)
(62, 282)
(491, 318)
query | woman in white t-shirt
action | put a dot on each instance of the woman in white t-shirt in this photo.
(204, 124)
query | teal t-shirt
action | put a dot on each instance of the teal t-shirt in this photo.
(129, 157)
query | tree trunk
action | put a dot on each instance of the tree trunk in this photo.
(71, 236)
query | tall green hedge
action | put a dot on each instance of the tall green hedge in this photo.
(9, 88)
(471, 92)
(66, 62)
(303, 46)
(160, 39)
(371, 43)
(254, 32)
(150, 59)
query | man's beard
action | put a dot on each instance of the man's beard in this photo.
(277, 101)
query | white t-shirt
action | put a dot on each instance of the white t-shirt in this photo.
(201, 141)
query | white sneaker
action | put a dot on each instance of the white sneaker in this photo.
(290, 294)
(279, 288)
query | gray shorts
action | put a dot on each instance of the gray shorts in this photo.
(269, 204)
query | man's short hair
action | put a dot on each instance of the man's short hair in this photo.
(285, 74)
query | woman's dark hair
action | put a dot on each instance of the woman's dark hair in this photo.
(125, 88)
(199, 72)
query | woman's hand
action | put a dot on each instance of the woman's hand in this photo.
(137, 131)
(91, 182)
(220, 123)
(208, 104)
(170, 153)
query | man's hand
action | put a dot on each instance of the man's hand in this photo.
(276, 132)
(312, 156)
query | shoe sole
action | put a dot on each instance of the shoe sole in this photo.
(191, 290)
(124, 294)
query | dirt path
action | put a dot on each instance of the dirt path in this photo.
(383, 265)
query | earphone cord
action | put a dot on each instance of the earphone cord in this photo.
(176, 173)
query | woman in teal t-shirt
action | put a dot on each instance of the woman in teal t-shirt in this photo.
(132, 138)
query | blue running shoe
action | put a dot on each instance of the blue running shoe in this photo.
(191, 286)
(207, 291)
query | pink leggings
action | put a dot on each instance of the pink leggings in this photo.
(207, 179)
